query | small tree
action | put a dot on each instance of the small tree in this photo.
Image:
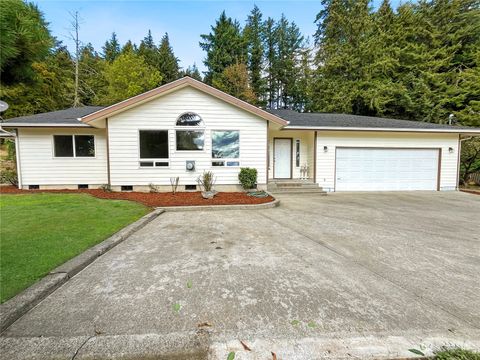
(128, 76)
(470, 159)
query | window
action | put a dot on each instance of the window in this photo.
(189, 119)
(153, 144)
(84, 146)
(190, 140)
(82, 186)
(63, 145)
(190, 187)
(74, 145)
(126, 188)
(225, 146)
(297, 153)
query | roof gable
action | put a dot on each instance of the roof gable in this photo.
(174, 86)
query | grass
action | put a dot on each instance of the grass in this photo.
(41, 231)
(456, 354)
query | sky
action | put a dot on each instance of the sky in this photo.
(184, 21)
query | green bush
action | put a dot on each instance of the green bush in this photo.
(248, 178)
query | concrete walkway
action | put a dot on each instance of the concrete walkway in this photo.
(341, 276)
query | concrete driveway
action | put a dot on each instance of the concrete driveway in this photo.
(341, 276)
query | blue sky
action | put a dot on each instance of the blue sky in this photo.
(183, 20)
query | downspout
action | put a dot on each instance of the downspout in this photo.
(108, 153)
(17, 159)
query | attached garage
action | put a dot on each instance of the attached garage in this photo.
(386, 169)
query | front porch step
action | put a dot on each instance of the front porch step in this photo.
(295, 187)
(312, 191)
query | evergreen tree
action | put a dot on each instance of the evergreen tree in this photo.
(193, 72)
(270, 44)
(24, 39)
(92, 79)
(129, 47)
(254, 35)
(167, 62)
(111, 49)
(224, 45)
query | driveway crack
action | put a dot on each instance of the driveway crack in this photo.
(419, 298)
(81, 346)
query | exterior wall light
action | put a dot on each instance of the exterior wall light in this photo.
(325, 149)
(450, 150)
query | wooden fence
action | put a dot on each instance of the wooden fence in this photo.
(475, 177)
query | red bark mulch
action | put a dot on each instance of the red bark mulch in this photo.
(156, 199)
(476, 192)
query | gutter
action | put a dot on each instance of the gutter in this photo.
(12, 125)
(336, 128)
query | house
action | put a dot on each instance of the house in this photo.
(186, 127)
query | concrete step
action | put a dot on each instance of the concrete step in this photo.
(296, 185)
(317, 191)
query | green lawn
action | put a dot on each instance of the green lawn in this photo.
(41, 231)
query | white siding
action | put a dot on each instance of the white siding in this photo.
(162, 113)
(333, 139)
(40, 167)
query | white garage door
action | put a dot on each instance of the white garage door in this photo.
(368, 169)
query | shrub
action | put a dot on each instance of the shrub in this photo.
(153, 188)
(9, 176)
(248, 178)
(106, 188)
(206, 181)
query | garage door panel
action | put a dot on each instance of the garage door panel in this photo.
(369, 169)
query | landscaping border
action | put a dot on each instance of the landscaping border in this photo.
(268, 205)
(16, 307)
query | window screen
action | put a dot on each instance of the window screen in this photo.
(154, 144)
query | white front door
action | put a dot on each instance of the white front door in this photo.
(369, 169)
(282, 159)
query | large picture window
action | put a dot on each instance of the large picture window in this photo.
(74, 145)
(190, 140)
(153, 144)
(225, 146)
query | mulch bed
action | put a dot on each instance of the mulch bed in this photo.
(156, 199)
(476, 192)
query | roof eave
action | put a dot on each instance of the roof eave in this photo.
(44, 125)
(423, 130)
(175, 85)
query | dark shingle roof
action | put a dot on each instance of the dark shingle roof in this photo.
(60, 117)
(319, 120)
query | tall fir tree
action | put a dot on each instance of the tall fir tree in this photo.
(167, 62)
(111, 49)
(254, 35)
(224, 46)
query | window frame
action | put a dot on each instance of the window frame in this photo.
(153, 160)
(74, 156)
(226, 160)
(298, 151)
